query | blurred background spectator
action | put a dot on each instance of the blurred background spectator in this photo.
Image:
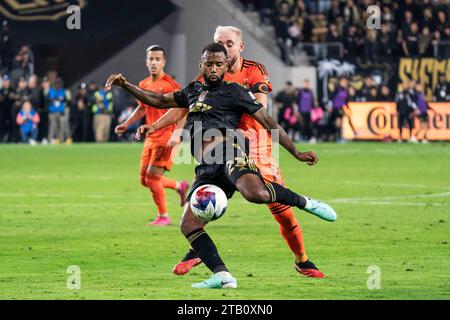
(27, 119)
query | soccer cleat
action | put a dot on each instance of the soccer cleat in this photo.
(320, 209)
(308, 269)
(183, 267)
(160, 221)
(218, 281)
(184, 187)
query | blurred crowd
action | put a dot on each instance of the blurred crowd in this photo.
(40, 110)
(305, 119)
(408, 28)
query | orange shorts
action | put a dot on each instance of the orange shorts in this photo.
(157, 155)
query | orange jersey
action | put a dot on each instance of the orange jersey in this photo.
(164, 84)
(254, 76)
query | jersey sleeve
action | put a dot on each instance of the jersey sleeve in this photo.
(181, 96)
(260, 82)
(248, 102)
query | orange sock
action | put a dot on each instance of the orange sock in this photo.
(289, 229)
(169, 183)
(156, 187)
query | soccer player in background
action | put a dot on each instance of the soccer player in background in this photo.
(156, 155)
(219, 105)
(254, 76)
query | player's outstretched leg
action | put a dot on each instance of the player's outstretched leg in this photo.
(253, 189)
(192, 229)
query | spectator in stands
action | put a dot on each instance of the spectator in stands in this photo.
(43, 125)
(36, 97)
(369, 84)
(102, 110)
(410, 43)
(129, 134)
(333, 36)
(27, 119)
(281, 24)
(386, 42)
(19, 96)
(6, 110)
(386, 94)
(305, 101)
(351, 13)
(427, 20)
(442, 90)
(371, 45)
(284, 100)
(335, 12)
(80, 115)
(405, 27)
(422, 113)
(425, 38)
(57, 101)
(441, 22)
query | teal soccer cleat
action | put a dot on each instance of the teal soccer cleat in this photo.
(217, 281)
(320, 209)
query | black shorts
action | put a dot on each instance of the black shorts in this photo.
(423, 117)
(225, 175)
(336, 113)
(404, 119)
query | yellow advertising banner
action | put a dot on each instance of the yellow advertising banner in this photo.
(424, 70)
(378, 120)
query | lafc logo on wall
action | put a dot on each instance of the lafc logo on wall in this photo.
(37, 10)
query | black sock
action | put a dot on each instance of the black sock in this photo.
(283, 195)
(206, 250)
(192, 254)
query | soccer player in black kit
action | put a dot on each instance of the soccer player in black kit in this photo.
(218, 105)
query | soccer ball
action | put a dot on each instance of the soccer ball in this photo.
(209, 202)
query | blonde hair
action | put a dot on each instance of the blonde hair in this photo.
(220, 29)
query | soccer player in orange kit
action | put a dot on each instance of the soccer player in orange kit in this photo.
(156, 155)
(254, 76)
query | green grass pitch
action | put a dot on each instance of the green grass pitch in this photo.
(83, 205)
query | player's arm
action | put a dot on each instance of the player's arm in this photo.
(270, 124)
(175, 139)
(157, 100)
(137, 114)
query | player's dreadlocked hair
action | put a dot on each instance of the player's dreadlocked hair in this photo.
(215, 47)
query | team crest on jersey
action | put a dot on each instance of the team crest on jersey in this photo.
(199, 107)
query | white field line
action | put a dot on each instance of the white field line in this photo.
(59, 195)
(402, 185)
(413, 196)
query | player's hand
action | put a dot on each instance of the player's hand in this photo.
(121, 129)
(144, 130)
(116, 80)
(309, 157)
(174, 141)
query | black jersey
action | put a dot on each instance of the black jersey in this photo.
(219, 108)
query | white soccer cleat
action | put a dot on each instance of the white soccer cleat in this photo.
(320, 209)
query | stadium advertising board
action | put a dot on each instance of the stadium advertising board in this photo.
(378, 120)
